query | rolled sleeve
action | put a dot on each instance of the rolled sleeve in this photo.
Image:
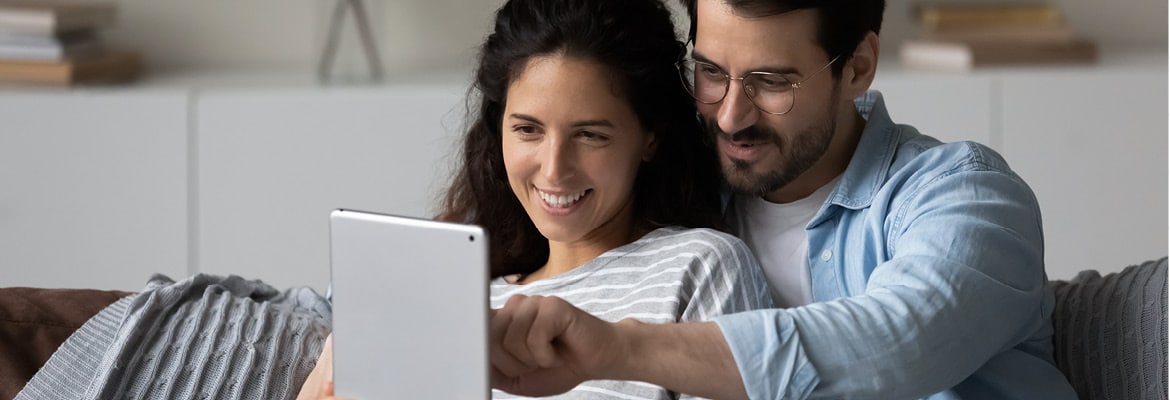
(769, 354)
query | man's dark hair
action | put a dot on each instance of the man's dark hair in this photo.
(635, 41)
(841, 24)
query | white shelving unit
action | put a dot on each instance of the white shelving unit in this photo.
(1090, 140)
(236, 173)
(93, 188)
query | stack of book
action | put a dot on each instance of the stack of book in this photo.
(960, 36)
(59, 43)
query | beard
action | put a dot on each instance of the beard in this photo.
(798, 153)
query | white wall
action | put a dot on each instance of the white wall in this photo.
(417, 35)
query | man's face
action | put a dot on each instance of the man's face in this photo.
(760, 152)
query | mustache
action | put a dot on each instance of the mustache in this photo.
(754, 133)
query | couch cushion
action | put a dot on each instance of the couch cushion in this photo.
(1110, 332)
(34, 322)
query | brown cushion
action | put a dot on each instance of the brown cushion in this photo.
(34, 322)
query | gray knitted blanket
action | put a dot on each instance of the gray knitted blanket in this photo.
(206, 337)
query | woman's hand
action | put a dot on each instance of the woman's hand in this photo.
(319, 384)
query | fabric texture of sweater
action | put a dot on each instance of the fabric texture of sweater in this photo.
(206, 337)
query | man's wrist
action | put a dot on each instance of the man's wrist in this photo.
(692, 358)
(631, 352)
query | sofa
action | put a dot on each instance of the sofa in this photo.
(1109, 334)
(1109, 340)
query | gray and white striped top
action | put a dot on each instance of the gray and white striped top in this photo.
(672, 274)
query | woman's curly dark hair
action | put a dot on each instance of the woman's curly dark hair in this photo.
(636, 41)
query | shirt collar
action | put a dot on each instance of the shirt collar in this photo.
(872, 158)
(870, 163)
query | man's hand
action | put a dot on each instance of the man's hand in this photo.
(543, 346)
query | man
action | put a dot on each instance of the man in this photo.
(910, 268)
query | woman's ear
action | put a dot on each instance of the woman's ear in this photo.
(650, 148)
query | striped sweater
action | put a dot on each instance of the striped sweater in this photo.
(670, 275)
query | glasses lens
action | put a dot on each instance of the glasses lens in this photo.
(771, 92)
(706, 82)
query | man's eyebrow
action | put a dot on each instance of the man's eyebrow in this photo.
(783, 70)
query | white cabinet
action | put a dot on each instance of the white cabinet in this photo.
(1091, 141)
(1094, 150)
(945, 106)
(93, 188)
(273, 163)
(101, 188)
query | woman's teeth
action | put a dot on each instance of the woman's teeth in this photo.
(561, 201)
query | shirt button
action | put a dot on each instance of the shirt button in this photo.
(826, 255)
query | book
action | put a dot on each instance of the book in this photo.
(70, 45)
(53, 17)
(1003, 34)
(959, 56)
(967, 15)
(113, 66)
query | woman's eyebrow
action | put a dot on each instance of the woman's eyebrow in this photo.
(576, 124)
(593, 122)
(526, 117)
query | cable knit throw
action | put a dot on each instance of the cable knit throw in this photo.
(206, 337)
(1110, 332)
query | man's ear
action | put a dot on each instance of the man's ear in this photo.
(651, 147)
(859, 72)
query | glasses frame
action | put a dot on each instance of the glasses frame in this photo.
(682, 74)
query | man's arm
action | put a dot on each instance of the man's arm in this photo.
(954, 283)
(544, 345)
(964, 284)
(705, 368)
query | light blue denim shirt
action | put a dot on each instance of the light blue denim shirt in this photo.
(927, 269)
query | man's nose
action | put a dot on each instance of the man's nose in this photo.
(736, 112)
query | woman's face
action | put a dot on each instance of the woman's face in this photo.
(572, 148)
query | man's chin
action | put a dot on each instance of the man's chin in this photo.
(743, 180)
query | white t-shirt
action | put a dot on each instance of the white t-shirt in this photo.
(776, 234)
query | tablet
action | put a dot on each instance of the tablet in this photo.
(410, 308)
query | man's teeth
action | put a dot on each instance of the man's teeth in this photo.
(560, 201)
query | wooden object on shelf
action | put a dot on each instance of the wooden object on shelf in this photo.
(970, 14)
(959, 56)
(1014, 34)
(960, 36)
(111, 67)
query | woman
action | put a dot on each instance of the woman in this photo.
(586, 166)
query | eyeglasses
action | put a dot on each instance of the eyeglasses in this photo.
(771, 92)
